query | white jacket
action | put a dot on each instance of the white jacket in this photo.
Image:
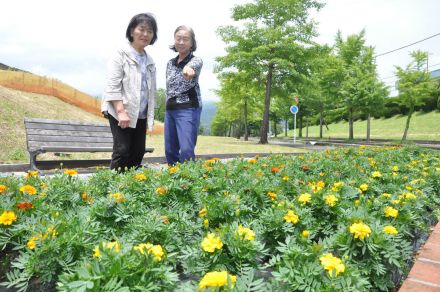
(124, 83)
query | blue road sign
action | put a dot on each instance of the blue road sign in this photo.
(294, 109)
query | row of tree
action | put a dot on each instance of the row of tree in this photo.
(271, 56)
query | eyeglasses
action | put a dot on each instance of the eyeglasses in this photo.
(182, 39)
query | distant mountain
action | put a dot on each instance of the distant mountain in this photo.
(208, 111)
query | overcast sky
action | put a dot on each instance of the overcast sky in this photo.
(72, 40)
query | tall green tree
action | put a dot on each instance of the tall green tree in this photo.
(271, 43)
(414, 85)
(360, 89)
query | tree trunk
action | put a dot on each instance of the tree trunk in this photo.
(368, 127)
(275, 130)
(350, 124)
(307, 129)
(300, 126)
(246, 134)
(286, 127)
(265, 123)
(405, 133)
(321, 119)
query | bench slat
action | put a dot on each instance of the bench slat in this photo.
(44, 132)
(68, 139)
(83, 149)
(88, 128)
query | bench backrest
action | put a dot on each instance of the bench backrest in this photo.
(43, 132)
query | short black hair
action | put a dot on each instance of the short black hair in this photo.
(193, 37)
(141, 18)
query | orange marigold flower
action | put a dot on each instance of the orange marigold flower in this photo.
(70, 172)
(275, 169)
(3, 188)
(24, 205)
(305, 167)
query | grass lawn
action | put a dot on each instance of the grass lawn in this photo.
(423, 126)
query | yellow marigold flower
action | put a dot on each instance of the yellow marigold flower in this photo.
(211, 242)
(320, 184)
(206, 223)
(337, 186)
(285, 178)
(437, 168)
(357, 202)
(272, 196)
(174, 169)
(119, 198)
(252, 160)
(363, 187)
(32, 243)
(31, 173)
(7, 218)
(87, 198)
(259, 173)
(28, 189)
(360, 230)
(157, 252)
(321, 174)
(391, 212)
(330, 200)
(395, 168)
(203, 212)
(216, 279)
(376, 174)
(114, 245)
(305, 233)
(246, 233)
(165, 219)
(332, 263)
(291, 217)
(410, 196)
(305, 198)
(390, 230)
(140, 177)
(3, 188)
(70, 172)
(386, 195)
(96, 252)
(161, 191)
(142, 247)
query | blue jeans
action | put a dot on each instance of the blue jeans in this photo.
(181, 129)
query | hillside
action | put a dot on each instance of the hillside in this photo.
(16, 105)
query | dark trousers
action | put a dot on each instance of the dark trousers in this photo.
(128, 144)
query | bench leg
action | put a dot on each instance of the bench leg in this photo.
(33, 159)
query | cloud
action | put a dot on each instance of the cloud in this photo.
(72, 40)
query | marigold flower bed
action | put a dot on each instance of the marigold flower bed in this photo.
(340, 220)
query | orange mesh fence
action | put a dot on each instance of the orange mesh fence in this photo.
(28, 82)
(37, 84)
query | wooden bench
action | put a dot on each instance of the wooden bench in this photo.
(44, 135)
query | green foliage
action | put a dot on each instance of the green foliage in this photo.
(272, 222)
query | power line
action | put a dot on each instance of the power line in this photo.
(430, 37)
